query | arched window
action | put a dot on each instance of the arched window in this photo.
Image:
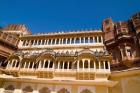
(53, 41)
(100, 40)
(35, 42)
(97, 65)
(61, 65)
(80, 64)
(86, 40)
(63, 90)
(68, 41)
(57, 41)
(77, 40)
(64, 41)
(106, 65)
(91, 39)
(46, 64)
(91, 64)
(72, 41)
(82, 40)
(86, 64)
(44, 90)
(95, 39)
(86, 91)
(51, 64)
(31, 64)
(9, 89)
(65, 65)
(27, 89)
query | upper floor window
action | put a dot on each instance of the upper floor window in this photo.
(68, 41)
(39, 42)
(49, 42)
(91, 39)
(72, 41)
(57, 41)
(64, 41)
(53, 41)
(95, 39)
(86, 40)
(100, 40)
(82, 40)
(77, 40)
(43, 42)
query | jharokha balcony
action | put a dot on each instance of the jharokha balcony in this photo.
(9, 39)
(84, 66)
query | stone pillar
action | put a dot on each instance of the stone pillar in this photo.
(93, 39)
(33, 65)
(84, 39)
(44, 64)
(109, 65)
(24, 64)
(55, 41)
(80, 39)
(83, 61)
(99, 64)
(70, 40)
(104, 66)
(78, 65)
(37, 42)
(66, 40)
(94, 66)
(47, 41)
(48, 64)
(59, 41)
(41, 42)
(63, 65)
(101, 39)
(39, 65)
(89, 65)
(97, 39)
(8, 65)
(12, 63)
(74, 40)
(68, 65)
(51, 41)
(88, 39)
(58, 65)
(62, 40)
(28, 65)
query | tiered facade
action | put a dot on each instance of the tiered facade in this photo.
(93, 61)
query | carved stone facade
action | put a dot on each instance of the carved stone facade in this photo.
(93, 61)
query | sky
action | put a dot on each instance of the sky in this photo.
(41, 16)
